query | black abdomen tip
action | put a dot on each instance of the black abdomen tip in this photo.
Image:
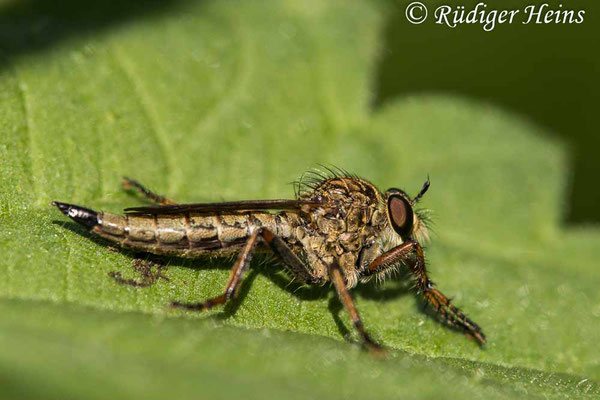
(84, 216)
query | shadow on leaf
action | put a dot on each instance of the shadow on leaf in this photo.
(276, 273)
(37, 25)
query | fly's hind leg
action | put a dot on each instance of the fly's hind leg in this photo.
(410, 254)
(237, 273)
(132, 184)
(243, 262)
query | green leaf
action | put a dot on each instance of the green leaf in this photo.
(233, 100)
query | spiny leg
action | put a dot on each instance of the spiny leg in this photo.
(411, 255)
(243, 262)
(237, 273)
(132, 184)
(291, 260)
(335, 274)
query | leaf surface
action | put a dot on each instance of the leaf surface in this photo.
(232, 100)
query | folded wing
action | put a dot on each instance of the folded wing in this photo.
(243, 205)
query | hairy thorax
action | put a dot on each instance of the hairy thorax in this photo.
(346, 230)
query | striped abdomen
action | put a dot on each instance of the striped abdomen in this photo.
(187, 234)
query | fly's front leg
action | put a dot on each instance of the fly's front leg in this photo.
(335, 274)
(410, 254)
(132, 184)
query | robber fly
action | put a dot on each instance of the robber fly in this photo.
(339, 229)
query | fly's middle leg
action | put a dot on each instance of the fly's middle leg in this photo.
(243, 263)
(132, 184)
(336, 277)
(291, 260)
(410, 254)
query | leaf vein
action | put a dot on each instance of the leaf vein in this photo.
(147, 105)
(244, 71)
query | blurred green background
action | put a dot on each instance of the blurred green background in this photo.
(549, 73)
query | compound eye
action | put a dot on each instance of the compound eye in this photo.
(401, 215)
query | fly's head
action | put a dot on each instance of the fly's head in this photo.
(402, 217)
